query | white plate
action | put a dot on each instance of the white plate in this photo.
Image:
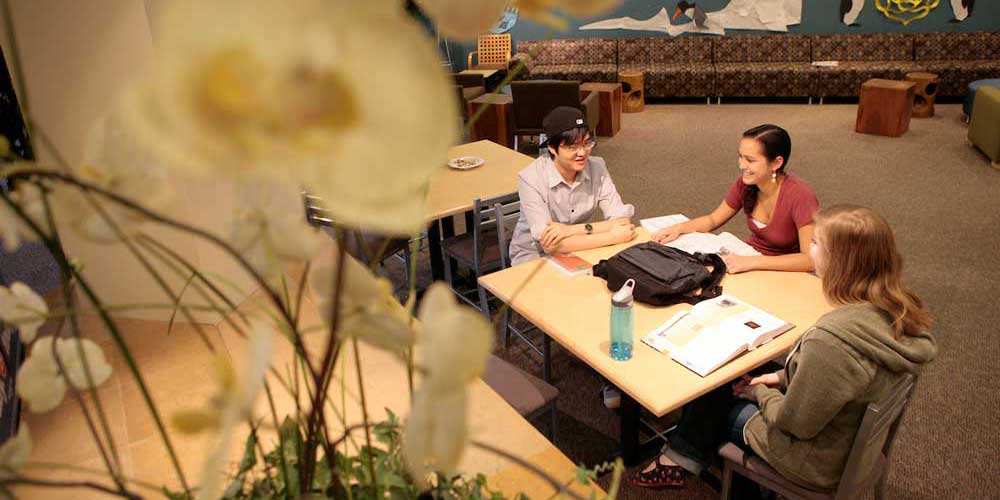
(466, 162)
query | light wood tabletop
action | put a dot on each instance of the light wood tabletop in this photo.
(485, 72)
(453, 191)
(575, 312)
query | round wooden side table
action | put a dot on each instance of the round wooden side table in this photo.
(924, 93)
(633, 96)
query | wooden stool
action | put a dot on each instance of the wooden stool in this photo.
(633, 96)
(924, 93)
(885, 107)
(497, 121)
(609, 96)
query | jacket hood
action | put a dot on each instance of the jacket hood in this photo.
(868, 330)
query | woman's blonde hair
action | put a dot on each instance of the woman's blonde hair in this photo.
(863, 265)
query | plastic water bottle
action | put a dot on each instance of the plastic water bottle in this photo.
(621, 322)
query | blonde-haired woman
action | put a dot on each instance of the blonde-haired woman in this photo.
(802, 419)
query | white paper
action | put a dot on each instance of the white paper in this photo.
(654, 224)
(767, 15)
(723, 244)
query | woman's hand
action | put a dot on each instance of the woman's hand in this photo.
(768, 379)
(623, 233)
(667, 234)
(738, 263)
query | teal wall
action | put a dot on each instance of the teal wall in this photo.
(819, 17)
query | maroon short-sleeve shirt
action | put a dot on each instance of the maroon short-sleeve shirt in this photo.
(795, 208)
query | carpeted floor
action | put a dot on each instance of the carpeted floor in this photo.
(941, 196)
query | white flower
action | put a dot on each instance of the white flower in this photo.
(435, 433)
(69, 352)
(39, 380)
(15, 452)
(270, 228)
(23, 308)
(455, 342)
(232, 405)
(346, 97)
(13, 229)
(454, 345)
(463, 19)
(368, 310)
(114, 162)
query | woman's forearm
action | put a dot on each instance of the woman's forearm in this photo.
(796, 262)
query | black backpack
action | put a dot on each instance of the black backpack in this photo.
(663, 275)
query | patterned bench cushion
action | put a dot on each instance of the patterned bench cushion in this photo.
(578, 72)
(572, 51)
(872, 47)
(956, 75)
(762, 48)
(771, 79)
(977, 45)
(845, 80)
(686, 79)
(650, 50)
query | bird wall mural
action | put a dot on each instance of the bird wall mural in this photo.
(849, 10)
(767, 15)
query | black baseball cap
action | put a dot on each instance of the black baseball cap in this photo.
(562, 119)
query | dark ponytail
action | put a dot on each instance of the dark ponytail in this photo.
(775, 142)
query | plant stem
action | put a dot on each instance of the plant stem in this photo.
(281, 439)
(69, 484)
(364, 417)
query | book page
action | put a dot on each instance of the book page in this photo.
(654, 224)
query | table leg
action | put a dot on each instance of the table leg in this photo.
(434, 247)
(629, 430)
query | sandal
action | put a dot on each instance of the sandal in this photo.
(662, 476)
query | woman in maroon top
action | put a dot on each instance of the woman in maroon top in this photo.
(779, 206)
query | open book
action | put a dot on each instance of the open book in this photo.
(713, 332)
(723, 243)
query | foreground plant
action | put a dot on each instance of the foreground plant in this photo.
(268, 115)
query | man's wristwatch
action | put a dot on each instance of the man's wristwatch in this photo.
(589, 228)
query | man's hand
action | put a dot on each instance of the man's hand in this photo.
(623, 233)
(738, 263)
(667, 234)
(553, 233)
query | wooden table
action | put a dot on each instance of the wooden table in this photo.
(490, 76)
(496, 123)
(885, 107)
(452, 192)
(924, 93)
(610, 102)
(575, 313)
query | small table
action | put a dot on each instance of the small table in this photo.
(491, 77)
(496, 123)
(609, 98)
(924, 93)
(885, 107)
(633, 95)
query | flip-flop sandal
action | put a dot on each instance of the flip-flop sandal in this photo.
(662, 476)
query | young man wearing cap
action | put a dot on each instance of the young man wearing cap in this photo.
(560, 191)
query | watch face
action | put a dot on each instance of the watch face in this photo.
(589, 228)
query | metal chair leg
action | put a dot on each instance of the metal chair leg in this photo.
(484, 301)
(552, 422)
(546, 358)
(506, 327)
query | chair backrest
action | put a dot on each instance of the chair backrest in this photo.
(494, 50)
(497, 213)
(534, 99)
(873, 443)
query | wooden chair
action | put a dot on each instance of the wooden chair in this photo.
(867, 463)
(493, 52)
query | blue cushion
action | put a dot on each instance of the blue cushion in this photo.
(970, 96)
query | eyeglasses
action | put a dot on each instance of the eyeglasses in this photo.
(575, 148)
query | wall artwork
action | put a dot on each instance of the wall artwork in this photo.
(766, 15)
(904, 11)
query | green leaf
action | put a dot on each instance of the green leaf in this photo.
(235, 488)
(584, 475)
(176, 495)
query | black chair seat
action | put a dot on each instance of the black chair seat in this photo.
(525, 392)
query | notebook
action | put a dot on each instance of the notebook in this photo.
(570, 264)
(713, 332)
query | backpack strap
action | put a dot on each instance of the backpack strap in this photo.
(711, 288)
